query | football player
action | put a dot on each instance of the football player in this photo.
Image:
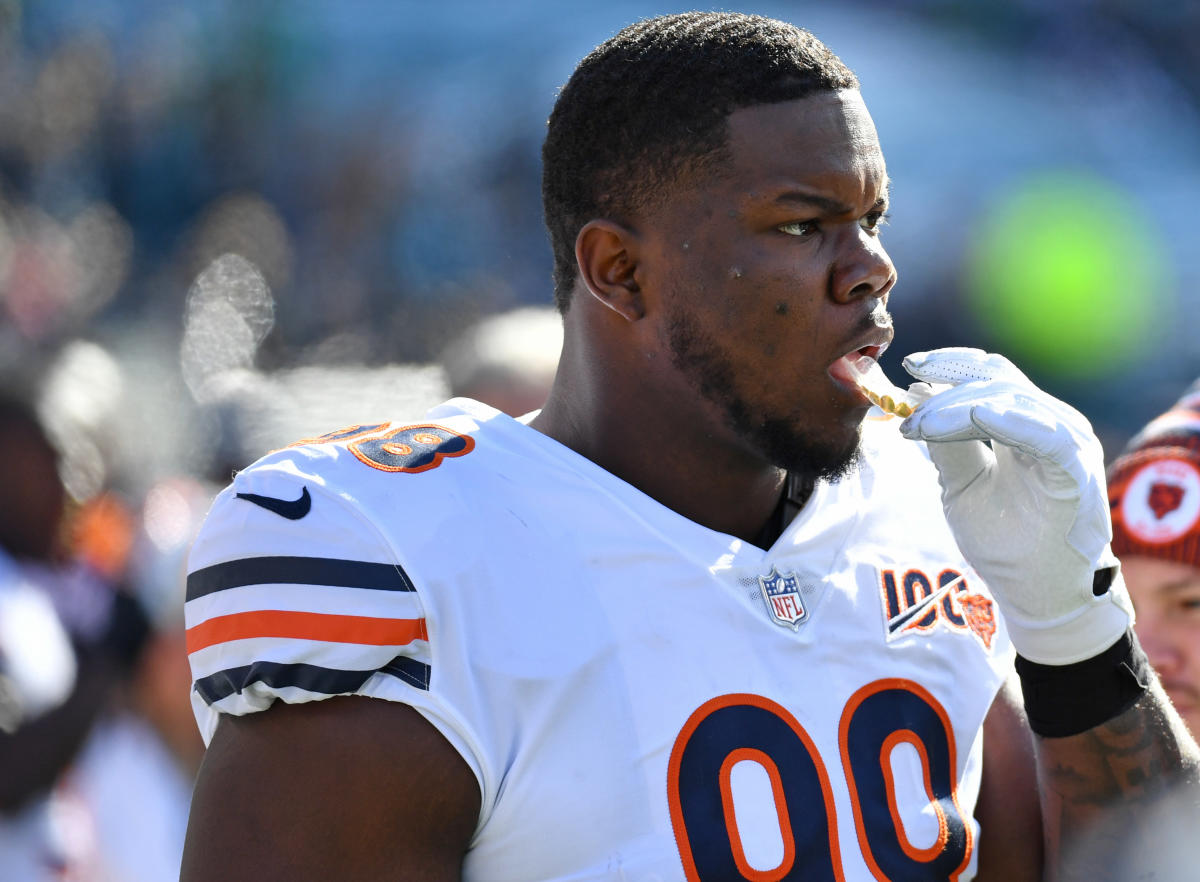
(698, 617)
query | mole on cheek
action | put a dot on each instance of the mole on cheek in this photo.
(781, 308)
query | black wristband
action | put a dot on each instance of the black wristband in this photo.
(1062, 700)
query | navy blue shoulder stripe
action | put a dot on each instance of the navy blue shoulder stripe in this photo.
(312, 678)
(297, 571)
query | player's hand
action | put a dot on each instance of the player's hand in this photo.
(1023, 487)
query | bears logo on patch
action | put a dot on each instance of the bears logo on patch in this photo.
(1162, 501)
(980, 613)
(411, 448)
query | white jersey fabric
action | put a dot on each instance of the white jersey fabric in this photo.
(641, 698)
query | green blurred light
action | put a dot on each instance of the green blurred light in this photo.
(1067, 276)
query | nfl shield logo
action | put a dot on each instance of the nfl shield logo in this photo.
(781, 594)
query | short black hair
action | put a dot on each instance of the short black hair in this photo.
(653, 102)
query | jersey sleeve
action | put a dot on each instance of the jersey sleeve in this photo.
(293, 594)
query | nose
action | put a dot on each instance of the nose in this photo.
(863, 268)
(1162, 651)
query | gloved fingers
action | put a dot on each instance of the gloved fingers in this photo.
(1054, 435)
(1054, 429)
(922, 392)
(958, 365)
(1027, 433)
(1024, 426)
(986, 374)
(946, 417)
(960, 463)
(943, 397)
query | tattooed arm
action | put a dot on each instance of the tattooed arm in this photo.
(1099, 788)
(1117, 803)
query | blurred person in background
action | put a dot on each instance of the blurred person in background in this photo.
(1154, 493)
(1154, 489)
(47, 702)
(141, 757)
(65, 640)
(99, 747)
(506, 360)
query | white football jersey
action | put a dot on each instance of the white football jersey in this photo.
(640, 697)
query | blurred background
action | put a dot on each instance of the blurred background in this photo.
(225, 225)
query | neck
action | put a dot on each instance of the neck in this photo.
(640, 433)
(796, 491)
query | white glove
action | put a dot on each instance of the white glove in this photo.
(1023, 487)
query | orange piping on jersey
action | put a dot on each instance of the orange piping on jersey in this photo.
(843, 743)
(685, 734)
(907, 736)
(362, 630)
(785, 822)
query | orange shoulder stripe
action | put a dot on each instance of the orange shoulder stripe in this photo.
(363, 630)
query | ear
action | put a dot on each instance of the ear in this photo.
(607, 256)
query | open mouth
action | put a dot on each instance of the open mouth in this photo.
(859, 370)
(848, 369)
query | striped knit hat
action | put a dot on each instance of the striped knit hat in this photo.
(1154, 486)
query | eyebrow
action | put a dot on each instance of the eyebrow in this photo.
(832, 206)
(1181, 585)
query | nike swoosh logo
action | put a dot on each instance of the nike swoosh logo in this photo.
(292, 509)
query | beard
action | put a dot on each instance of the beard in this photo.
(782, 439)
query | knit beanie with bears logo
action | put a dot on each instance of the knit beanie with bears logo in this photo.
(1154, 487)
